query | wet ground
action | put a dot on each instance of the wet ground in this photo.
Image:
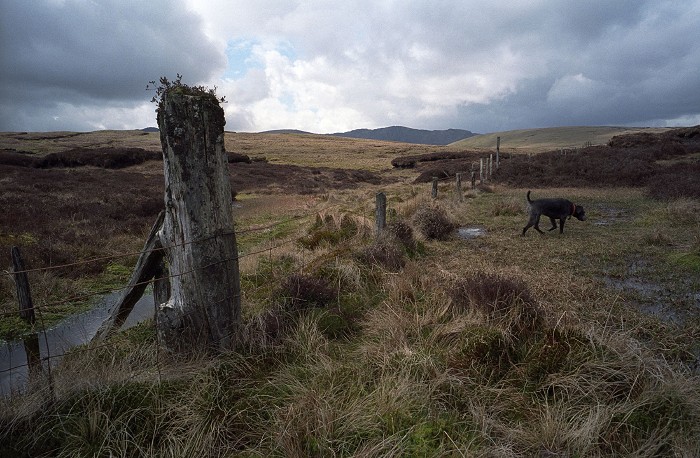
(21, 360)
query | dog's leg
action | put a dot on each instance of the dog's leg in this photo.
(534, 219)
(561, 225)
(537, 224)
(554, 223)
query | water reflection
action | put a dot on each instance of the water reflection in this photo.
(23, 361)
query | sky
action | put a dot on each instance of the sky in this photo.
(327, 66)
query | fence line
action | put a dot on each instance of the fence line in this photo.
(48, 357)
(138, 253)
(91, 348)
(115, 290)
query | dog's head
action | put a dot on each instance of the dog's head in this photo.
(579, 213)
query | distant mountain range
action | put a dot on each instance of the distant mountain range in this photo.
(408, 135)
(391, 134)
(396, 134)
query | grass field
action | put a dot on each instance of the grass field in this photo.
(415, 343)
(545, 139)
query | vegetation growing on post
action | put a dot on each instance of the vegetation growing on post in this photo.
(178, 87)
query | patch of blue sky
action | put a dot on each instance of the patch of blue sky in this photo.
(240, 58)
(287, 99)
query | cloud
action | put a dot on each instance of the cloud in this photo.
(61, 58)
(329, 66)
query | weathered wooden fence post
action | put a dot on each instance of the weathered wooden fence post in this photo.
(204, 308)
(490, 166)
(473, 177)
(24, 295)
(380, 212)
(434, 192)
(481, 171)
(458, 187)
(498, 151)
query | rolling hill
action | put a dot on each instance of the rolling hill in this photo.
(550, 137)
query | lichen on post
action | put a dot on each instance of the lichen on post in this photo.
(204, 308)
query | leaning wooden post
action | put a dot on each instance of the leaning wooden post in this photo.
(147, 266)
(473, 177)
(458, 187)
(24, 295)
(204, 308)
(380, 212)
(434, 192)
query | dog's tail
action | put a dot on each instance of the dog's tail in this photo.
(528, 197)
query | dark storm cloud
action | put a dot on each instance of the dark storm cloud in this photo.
(329, 66)
(81, 53)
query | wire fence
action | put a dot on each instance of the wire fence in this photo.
(45, 361)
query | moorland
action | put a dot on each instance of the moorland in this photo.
(416, 342)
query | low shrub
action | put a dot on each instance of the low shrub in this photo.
(300, 291)
(433, 223)
(384, 251)
(500, 298)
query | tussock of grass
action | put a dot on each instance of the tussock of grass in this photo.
(433, 222)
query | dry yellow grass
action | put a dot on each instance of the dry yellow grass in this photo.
(416, 375)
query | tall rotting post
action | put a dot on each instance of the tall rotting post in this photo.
(204, 307)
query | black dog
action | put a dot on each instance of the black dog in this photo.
(560, 209)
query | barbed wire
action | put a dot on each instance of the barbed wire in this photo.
(79, 298)
(103, 292)
(174, 245)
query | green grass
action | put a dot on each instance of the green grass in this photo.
(549, 138)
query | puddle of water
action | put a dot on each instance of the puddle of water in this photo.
(611, 215)
(658, 300)
(16, 357)
(471, 232)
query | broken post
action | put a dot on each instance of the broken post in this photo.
(434, 192)
(24, 295)
(380, 212)
(204, 308)
(481, 171)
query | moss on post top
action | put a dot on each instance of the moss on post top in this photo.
(178, 87)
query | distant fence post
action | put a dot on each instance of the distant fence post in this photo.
(458, 186)
(498, 151)
(435, 188)
(481, 171)
(473, 177)
(24, 295)
(490, 166)
(380, 212)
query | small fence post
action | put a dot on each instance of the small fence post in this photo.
(498, 151)
(460, 197)
(481, 171)
(24, 295)
(490, 166)
(473, 177)
(380, 212)
(435, 188)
